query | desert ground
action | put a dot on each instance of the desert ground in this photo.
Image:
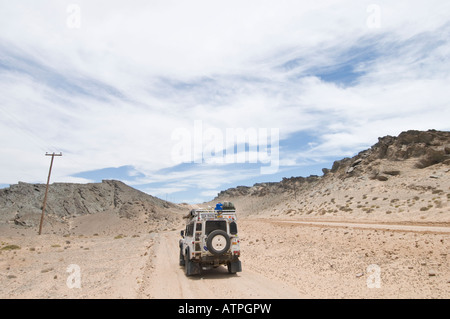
(300, 258)
(373, 226)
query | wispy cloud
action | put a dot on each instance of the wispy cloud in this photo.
(110, 93)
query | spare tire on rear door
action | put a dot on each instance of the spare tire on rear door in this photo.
(218, 242)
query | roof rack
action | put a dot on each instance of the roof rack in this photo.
(206, 214)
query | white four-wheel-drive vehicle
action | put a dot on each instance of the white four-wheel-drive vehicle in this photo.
(210, 240)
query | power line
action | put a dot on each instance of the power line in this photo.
(24, 129)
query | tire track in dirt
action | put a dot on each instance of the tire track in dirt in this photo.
(392, 227)
(166, 279)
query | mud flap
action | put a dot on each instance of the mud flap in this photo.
(192, 268)
(234, 267)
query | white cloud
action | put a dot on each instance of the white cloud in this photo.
(112, 92)
(161, 192)
(210, 193)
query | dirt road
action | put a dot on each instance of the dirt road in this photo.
(320, 259)
(386, 226)
(279, 260)
(164, 278)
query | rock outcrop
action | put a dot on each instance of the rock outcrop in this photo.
(22, 203)
(426, 147)
(412, 168)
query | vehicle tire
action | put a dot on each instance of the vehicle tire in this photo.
(182, 261)
(230, 270)
(190, 268)
(218, 242)
(187, 263)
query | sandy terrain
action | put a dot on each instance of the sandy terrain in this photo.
(279, 259)
(374, 226)
(333, 261)
(415, 195)
(167, 280)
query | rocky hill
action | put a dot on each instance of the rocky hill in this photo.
(425, 148)
(399, 178)
(21, 203)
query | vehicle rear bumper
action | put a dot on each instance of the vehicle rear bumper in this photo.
(216, 260)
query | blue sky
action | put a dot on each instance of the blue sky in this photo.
(112, 85)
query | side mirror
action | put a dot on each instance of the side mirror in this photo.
(182, 233)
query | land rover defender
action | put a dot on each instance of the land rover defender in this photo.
(210, 240)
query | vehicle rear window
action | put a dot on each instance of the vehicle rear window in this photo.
(212, 225)
(233, 228)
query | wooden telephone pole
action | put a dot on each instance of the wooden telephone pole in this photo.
(46, 189)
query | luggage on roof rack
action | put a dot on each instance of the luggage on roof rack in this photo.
(227, 210)
(228, 206)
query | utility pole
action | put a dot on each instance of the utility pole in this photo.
(46, 189)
